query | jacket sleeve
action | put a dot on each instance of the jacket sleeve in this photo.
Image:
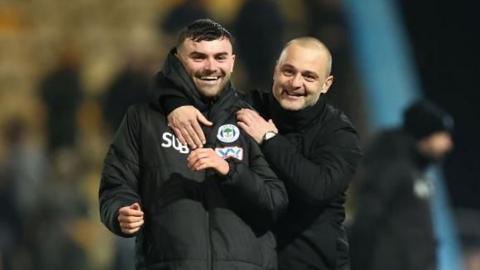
(325, 174)
(119, 181)
(254, 190)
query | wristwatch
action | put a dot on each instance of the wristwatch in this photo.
(268, 135)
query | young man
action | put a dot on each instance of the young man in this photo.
(202, 209)
(311, 146)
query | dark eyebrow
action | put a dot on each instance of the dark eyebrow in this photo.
(196, 54)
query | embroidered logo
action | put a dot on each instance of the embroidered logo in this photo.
(170, 141)
(228, 133)
(230, 152)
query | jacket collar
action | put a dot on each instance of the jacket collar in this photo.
(291, 121)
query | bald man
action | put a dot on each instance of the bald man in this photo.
(311, 146)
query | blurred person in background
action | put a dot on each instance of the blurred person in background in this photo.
(128, 87)
(185, 12)
(392, 227)
(22, 173)
(259, 28)
(311, 145)
(62, 92)
(201, 209)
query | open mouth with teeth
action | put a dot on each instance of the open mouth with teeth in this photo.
(209, 80)
(292, 95)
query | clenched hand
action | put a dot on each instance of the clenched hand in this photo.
(130, 218)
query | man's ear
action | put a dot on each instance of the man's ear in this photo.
(327, 83)
(233, 62)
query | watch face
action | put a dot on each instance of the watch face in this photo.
(269, 135)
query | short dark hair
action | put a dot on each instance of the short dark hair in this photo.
(204, 29)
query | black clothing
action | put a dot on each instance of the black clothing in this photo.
(128, 88)
(315, 155)
(393, 227)
(259, 28)
(193, 220)
(62, 93)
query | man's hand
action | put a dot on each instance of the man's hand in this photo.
(185, 122)
(204, 158)
(130, 218)
(254, 125)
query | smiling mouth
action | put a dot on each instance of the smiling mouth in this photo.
(292, 95)
(209, 78)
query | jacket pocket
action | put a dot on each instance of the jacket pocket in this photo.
(234, 240)
(176, 232)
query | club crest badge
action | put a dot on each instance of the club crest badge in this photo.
(228, 133)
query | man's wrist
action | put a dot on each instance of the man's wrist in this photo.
(268, 135)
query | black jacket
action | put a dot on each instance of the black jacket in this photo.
(193, 220)
(392, 227)
(315, 155)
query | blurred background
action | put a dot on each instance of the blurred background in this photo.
(69, 70)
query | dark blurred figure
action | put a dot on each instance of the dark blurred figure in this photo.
(21, 174)
(393, 226)
(185, 12)
(469, 231)
(129, 87)
(259, 28)
(10, 221)
(326, 21)
(62, 93)
(54, 238)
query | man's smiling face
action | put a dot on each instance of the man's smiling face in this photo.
(301, 76)
(208, 63)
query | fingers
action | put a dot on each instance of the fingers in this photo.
(178, 134)
(206, 158)
(196, 156)
(244, 126)
(249, 117)
(130, 218)
(131, 227)
(203, 120)
(199, 132)
(186, 134)
(131, 211)
(189, 134)
(195, 133)
(186, 123)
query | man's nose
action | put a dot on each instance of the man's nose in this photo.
(297, 80)
(211, 64)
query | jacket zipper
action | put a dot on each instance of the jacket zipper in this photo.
(209, 216)
(209, 235)
(210, 247)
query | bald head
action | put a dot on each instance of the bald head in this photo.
(302, 73)
(314, 45)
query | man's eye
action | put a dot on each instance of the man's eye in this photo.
(197, 58)
(288, 72)
(221, 58)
